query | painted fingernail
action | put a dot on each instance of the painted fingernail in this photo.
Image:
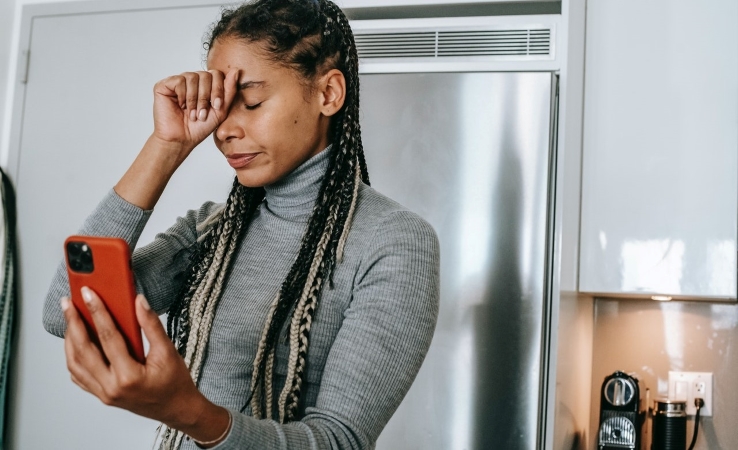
(144, 303)
(193, 115)
(203, 114)
(217, 103)
(64, 303)
(86, 294)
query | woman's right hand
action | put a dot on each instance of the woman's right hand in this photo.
(187, 109)
(190, 106)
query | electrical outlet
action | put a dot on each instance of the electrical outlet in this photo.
(690, 385)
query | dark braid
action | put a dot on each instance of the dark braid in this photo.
(311, 37)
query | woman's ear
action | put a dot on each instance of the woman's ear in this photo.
(332, 87)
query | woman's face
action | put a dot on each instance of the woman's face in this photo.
(274, 123)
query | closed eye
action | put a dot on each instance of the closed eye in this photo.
(253, 107)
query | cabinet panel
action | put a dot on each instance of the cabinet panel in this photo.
(660, 168)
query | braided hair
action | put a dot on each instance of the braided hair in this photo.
(311, 37)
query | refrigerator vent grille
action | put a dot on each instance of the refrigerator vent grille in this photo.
(440, 44)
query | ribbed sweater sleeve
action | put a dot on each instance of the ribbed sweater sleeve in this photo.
(113, 217)
(158, 267)
(384, 337)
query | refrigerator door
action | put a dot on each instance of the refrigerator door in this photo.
(470, 153)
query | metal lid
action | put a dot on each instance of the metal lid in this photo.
(670, 408)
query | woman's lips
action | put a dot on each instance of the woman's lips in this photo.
(240, 160)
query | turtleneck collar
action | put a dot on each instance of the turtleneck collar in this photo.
(294, 195)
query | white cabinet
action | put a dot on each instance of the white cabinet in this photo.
(660, 162)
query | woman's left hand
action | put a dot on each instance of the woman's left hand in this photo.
(160, 389)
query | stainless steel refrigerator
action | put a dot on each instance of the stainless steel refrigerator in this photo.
(471, 153)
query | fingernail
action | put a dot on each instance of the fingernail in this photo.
(193, 115)
(144, 303)
(217, 103)
(203, 114)
(86, 294)
(64, 303)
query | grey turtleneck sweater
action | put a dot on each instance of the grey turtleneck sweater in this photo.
(370, 333)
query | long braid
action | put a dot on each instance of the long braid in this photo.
(256, 385)
(311, 36)
(345, 196)
(299, 335)
(350, 133)
(192, 314)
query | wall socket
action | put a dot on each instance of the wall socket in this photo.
(690, 385)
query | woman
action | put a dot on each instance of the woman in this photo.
(302, 308)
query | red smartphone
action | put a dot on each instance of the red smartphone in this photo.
(103, 264)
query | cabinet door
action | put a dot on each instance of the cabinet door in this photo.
(660, 168)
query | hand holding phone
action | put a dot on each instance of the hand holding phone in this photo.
(160, 387)
(103, 264)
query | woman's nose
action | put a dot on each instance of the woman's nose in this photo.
(229, 129)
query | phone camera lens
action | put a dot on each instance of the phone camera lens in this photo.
(80, 257)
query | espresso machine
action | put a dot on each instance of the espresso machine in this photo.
(621, 416)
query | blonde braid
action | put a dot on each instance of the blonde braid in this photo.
(203, 296)
(209, 314)
(256, 381)
(308, 292)
(269, 373)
